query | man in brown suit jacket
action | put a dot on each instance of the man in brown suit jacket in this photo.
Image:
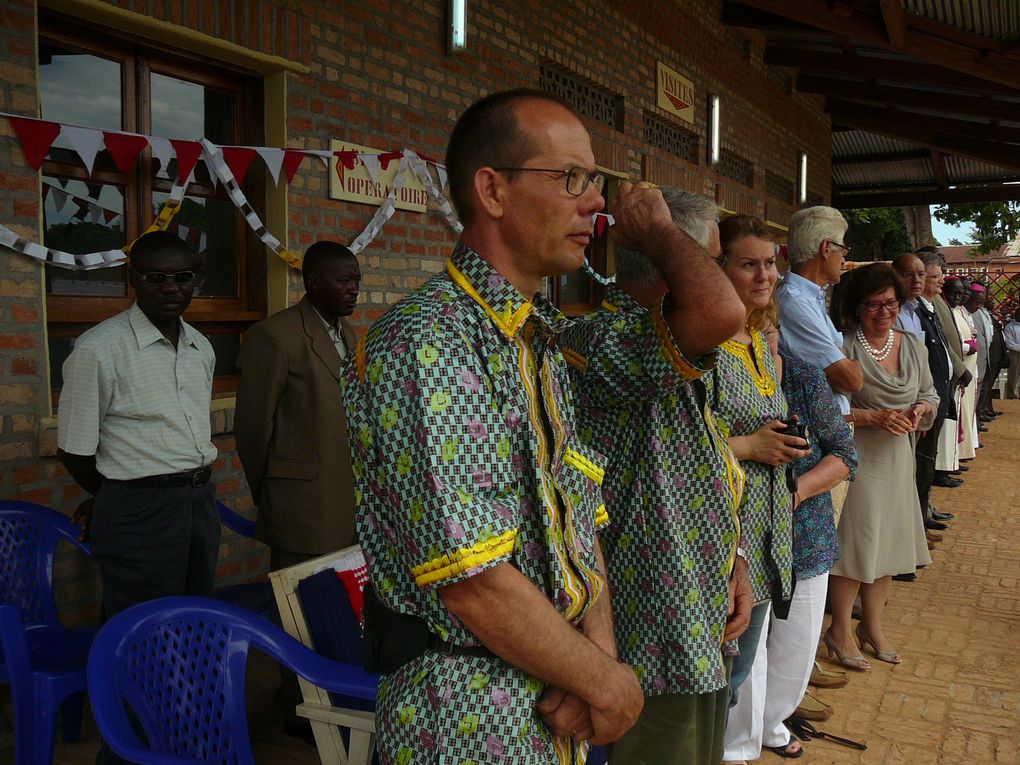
(290, 426)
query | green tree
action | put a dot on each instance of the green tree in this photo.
(994, 223)
(876, 233)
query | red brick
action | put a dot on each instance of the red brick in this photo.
(42, 496)
(26, 474)
(23, 367)
(23, 314)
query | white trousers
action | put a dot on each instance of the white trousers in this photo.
(779, 675)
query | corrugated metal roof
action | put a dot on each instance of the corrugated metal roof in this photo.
(997, 19)
(965, 170)
(848, 143)
(883, 175)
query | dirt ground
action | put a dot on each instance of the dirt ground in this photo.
(955, 698)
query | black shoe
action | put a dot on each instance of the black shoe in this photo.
(935, 525)
(982, 428)
(301, 729)
(963, 469)
(937, 516)
(946, 482)
(911, 577)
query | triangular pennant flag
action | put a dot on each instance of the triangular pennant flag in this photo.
(36, 136)
(600, 225)
(291, 161)
(86, 141)
(325, 156)
(238, 159)
(187, 153)
(385, 159)
(349, 159)
(371, 163)
(59, 197)
(441, 172)
(194, 235)
(163, 152)
(273, 159)
(109, 215)
(182, 232)
(95, 212)
(201, 242)
(95, 189)
(83, 208)
(125, 148)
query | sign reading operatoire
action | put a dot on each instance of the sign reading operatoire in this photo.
(675, 93)
(369, 178)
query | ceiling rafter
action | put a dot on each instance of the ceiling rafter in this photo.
(910, 198)
(895, 23)
(839, 109)
(984, 63)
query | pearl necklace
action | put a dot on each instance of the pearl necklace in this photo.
(878, 354)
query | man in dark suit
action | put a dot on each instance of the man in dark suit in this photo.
(290, 426)
(941, 366)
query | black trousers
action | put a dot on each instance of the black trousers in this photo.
(984, 396)
(153, 543)
(925, 453)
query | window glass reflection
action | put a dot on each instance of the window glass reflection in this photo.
(226, 348)
(79, 218)
(182, 109)
(208, 226)
(78, 89)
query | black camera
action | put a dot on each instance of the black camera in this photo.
(794, 427)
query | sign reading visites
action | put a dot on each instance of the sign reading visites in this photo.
(675, 93)
(356, 184)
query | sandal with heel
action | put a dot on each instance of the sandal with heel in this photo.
(857, 662)
(864, 638)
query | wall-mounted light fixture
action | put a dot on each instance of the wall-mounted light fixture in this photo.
(801, 177)
(713, 129)
(456, 39)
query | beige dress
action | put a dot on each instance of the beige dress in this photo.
(880, 530)
(967, 416)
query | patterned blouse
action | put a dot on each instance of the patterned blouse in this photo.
(815, 544)
(465, 456)
(672, 487)
(744, 393)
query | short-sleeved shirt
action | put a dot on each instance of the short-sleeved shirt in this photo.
(806, 329)
(466, 455)
(809, 397)
(907, 319)
(672, 487)
(137, 403)
(744, 393)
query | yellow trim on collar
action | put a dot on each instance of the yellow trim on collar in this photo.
(676, 359)
(447, 566)
(359, 359)
(574, 358)
(507, 320)
(755, 365)
(601, 516)
(591, 469)
(610, 306)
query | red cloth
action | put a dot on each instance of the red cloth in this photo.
(354, 581)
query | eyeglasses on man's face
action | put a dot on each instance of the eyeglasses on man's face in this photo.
(578, 178)
(156, 278)
(889, 306)
(844, 247)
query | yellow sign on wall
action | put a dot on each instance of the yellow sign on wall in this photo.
(675, 93)
(356, 184)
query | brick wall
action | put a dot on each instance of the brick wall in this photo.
(380, 77)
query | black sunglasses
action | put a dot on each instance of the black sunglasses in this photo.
(159, 277)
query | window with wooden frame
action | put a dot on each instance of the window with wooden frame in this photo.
(89, 79)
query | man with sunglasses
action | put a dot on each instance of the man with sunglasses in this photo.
(133, 431)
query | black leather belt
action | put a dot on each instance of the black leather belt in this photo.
(437, 644)
(193, 478)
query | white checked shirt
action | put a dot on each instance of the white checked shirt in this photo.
(805, 329)
(336, 334)
(138, 404)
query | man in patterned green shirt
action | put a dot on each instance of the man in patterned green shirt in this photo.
(477, 503)
(672, 488)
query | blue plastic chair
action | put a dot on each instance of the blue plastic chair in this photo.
(43, 661)
(178, 664)
(257, 596)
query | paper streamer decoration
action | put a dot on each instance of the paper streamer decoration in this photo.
(217, 165)
(435, 193)
(384, 213)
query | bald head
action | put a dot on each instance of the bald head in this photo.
(910, 267)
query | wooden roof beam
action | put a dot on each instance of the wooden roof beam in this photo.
(910, 198)
(892, 156)
(938, 168)
(979, 62)
(839, 108)
(899, 96)
(885, 68)
(895, 23)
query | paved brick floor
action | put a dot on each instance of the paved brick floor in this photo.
(955, 698)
